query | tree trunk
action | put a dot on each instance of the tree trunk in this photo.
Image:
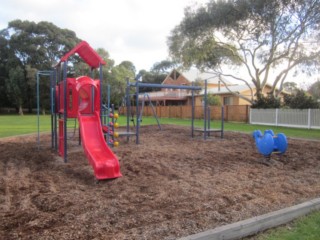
(20, 111)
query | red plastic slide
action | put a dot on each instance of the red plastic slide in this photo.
(104, 162)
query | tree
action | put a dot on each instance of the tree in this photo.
(300, 100)
(118, 83)
(129, 66)
(213, 100)
(152, 78)
(268, 101)
(267, 40)
(16, 86)
(4, 101)
(314, 90)
(290, 87)
(32, 46)
(163, 67)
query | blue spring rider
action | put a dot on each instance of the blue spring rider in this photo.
(270, 143)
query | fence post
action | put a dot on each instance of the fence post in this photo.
(277, 112)
(227, 113)
(250, 116)
(309, 118)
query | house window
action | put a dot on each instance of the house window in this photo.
(227, 101)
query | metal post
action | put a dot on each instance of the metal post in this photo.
(128, 108)
(52, 109)
(52, 92)
(108, 115)
(209, 118)
(137, 113)
(153, 110)
(222, 121)
(101, 78)
(205, 109)
(112, 127)
(138, 84)
(65, 109)
(192, 112)
(55, 110)
(38, 111)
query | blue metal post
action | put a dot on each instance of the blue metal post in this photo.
(137, 84)
(38, 110)
(55, 108)
(153, 110)
(128, 107)
(108, 113)
(205, 109)
(50, 74)
(192, 112)
(209, 118)
(65, 109)
(101, 78)
(137, 113)
(222, 121)
(52, 109)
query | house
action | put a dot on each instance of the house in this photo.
(167, 96)
(229, 93)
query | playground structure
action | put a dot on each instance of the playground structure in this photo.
(206, 130)
(269, 143)
(81, 98)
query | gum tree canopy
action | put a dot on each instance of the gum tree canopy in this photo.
(267, 40)
(24, 48)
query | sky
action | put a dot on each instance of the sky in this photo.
(130, 30)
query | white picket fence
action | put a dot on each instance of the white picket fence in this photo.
(300, 118)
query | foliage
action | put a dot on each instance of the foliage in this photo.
(300, 100)
(290, 87)
(118, 83)
(129, 66)
(39, 44)
(163, 67)
(266, 102)
(152, 78)
(27, 46)
(266, 40)
(16, 86)
(213, 100)
(314, 90)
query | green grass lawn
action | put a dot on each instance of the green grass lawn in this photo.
(305, 228)
(11, 125)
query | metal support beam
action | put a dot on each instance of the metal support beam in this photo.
(138, 84)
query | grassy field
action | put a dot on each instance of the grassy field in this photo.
(305, 228)
(11, 125)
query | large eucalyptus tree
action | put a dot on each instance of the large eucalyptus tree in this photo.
(267, 40)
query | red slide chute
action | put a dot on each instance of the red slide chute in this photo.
(104, 162)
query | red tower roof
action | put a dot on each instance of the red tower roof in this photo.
(86, 52)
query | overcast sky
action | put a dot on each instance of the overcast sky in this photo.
(134, 30)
